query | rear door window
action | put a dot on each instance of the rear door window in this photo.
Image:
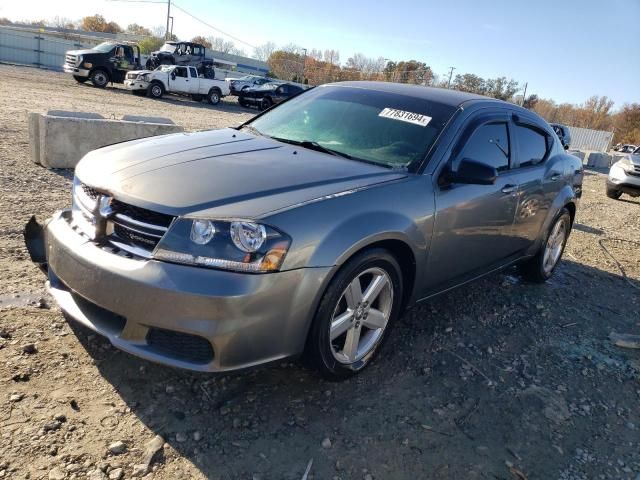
(489, 144)
(532, 145)
(194, 72)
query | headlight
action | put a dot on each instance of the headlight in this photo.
(242, 246)
(144, 77)
(625, 164)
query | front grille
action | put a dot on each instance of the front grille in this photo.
(142, 214)
(70, 60)
(137, 227)
(181, 346)
(91, 193)
(130, 231)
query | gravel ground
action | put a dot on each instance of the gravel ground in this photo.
(497, 380)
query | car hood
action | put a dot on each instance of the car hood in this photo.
(223, 173)
(83, 52)
(140, 72)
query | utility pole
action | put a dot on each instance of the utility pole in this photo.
(450, 75)
(166, 35)
(524, 95)
(304, 63)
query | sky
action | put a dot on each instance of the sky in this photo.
(565, 50)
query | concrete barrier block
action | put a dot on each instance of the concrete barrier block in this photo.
(598, 159)
(577, 153)
(34, 136)
(143, 118)
(61, 141)
(66, 113)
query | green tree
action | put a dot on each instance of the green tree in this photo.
(150, 44)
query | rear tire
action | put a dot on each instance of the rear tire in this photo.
(80, 79)
(155, 90)
(99, 78)
(540, 268)
(613, 193)
(353, 318)
(213, 97)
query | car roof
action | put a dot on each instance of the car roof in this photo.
(444, 96)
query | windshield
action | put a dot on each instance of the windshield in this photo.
(165, 68)
(104, 47)
(168, 47)
(385, 128)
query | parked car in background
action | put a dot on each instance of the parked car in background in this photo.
(236, 85)
(268, 95)
(617, 147)
(563, 134)
(624, 176)
(182, 53)
(104, 63)
(308, 229)
(179, 80)
(627, 148)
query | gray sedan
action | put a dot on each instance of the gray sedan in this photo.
(308, 229)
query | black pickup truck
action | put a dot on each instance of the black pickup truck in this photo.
(104, 63)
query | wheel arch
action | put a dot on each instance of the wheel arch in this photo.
(101, 68)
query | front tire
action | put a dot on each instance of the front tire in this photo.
(155, 90)
(540, 268)
(99, 78)
(265, 103)
(355, 315)
(613, 193)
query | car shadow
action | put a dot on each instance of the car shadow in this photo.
(448, 366)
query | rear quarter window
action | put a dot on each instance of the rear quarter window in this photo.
(532, 145)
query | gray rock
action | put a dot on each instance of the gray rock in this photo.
(140, 470)
(56, 473)
(116, 474)
(117, 448)
(181, 437)
(326, 443)
(52, 426)
(16, 397)
(29, 348)
(96, 474)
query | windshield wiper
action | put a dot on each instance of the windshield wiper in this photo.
(313, 146)
(253, 130)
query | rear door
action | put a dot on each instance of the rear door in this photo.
(473, 223)
(540, 175)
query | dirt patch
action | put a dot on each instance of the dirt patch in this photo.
(497, 379)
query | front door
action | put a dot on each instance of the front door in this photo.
(180, 80)
(473, 223)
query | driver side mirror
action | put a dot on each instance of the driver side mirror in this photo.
(472, 172)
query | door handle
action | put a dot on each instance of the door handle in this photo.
(509, 189)
(555, 177)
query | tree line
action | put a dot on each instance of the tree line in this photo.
(293, 63)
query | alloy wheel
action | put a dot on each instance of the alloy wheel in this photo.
(156, 90)
(554, 245)
(361, 315)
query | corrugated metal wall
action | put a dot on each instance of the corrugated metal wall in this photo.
(586, 139)
(35, 49)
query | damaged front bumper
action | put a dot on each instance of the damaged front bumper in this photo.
(184, 316)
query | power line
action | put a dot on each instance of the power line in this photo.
(212, 27)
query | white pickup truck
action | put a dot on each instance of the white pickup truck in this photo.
(182, 80)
